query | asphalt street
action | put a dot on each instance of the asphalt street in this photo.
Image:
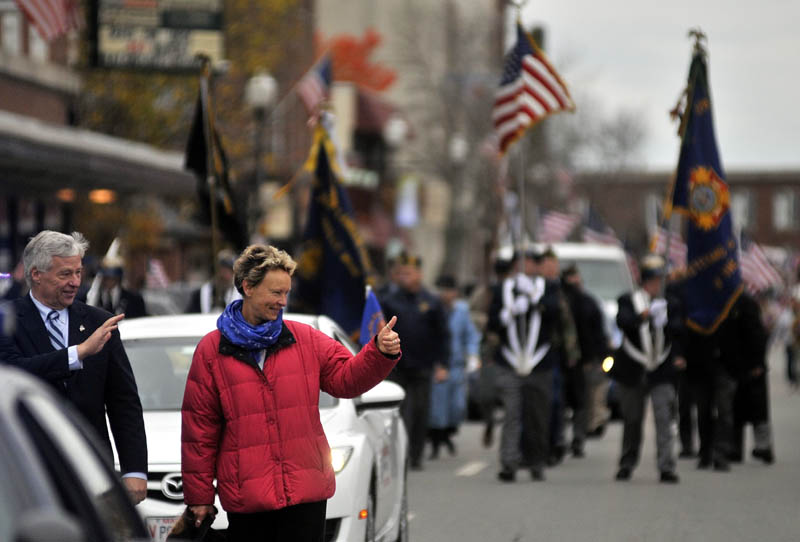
(460, 499)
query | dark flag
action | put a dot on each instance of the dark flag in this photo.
(333, 265)
(197, 159)
(700, 192)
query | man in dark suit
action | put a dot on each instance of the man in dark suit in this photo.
(111, 296)
(76, 348)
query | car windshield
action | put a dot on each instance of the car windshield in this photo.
(607, 279)
(161, 367)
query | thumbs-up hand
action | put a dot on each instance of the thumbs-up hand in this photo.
(388, 340)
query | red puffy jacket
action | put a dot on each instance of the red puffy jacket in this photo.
(259, 433)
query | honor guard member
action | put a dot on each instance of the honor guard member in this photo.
(646, 363)
(422, 322)
(526, 315)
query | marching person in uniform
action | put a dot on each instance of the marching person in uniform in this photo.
(646, 364)
(422, 323)
(526, 314)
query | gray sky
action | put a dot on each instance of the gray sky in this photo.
(636, 54)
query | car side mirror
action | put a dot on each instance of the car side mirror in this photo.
(39, 526)
(385, 395)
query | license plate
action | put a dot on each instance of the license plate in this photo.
(159, 528)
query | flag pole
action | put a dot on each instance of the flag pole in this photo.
(205, 99)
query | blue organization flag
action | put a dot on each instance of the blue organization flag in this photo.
(371, 318)
(700, 192)
(333, 265)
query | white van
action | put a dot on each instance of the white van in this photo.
(603, 268)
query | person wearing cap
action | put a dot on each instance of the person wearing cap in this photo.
(526, 314)
(422, 323)
(111, 296)
(214, 295)
(646, 364)
(449, 396)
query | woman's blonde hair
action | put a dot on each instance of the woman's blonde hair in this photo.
(258, 260)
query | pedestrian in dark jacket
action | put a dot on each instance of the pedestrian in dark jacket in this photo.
(743, 340)
(593, 346)
(250, 410)
(646, 364)
(422, 323)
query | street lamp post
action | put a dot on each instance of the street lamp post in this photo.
(259, 94)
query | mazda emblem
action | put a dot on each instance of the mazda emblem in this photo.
(172, 486)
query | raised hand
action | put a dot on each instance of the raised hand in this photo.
(388, 340)
(99, 338)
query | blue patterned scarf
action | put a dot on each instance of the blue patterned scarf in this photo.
(237, 330)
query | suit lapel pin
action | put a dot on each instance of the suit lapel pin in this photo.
(81, 328)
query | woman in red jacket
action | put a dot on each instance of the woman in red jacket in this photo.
(250, 409)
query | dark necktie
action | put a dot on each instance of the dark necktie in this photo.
(54, 330)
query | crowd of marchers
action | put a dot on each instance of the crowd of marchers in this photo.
(536, 355)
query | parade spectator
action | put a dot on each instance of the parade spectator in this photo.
(527, 316)
(216, 294)
(645, 364)
(588, 318)
(14, 286)
(251, 420)
(423, 326)
(76, 348)
(449, 396)
(111, 296)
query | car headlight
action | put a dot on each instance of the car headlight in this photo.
(340, 456)
(608, 364)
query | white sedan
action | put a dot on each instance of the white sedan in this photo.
(367, 436)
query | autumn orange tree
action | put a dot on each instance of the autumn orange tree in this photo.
(351, 60)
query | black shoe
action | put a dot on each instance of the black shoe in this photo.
(578, 452)
(668, 477)
(686, 454)
(506, 475)
(488, 435)
(765, 455)
(451, 447)
(537, 475)
(721, 466)
(416, 465)
(735, 457)
(597, 432)
(704, 464)
(623, 474)
(434, 454)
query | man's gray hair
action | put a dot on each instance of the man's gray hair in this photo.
(40, 250)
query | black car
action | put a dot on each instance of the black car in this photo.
(58, 483)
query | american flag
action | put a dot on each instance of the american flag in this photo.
(757, 272)
(530, 90)
(52, 18)
(555, 227)
(677, 248)
(595, 230)
(314, 88)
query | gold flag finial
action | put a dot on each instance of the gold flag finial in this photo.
(699, 37)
